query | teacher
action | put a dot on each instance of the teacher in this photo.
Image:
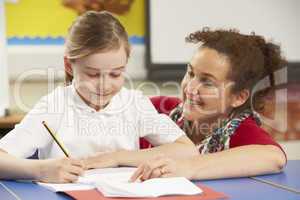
(217, 110)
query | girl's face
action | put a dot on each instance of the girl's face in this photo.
(100, 76)
(205, 87)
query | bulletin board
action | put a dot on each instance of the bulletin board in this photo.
(38, 22)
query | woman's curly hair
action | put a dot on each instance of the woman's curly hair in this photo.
(251, 57)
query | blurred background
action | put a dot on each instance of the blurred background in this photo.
(32, 36)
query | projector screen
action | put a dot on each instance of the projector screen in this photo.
(169, 21)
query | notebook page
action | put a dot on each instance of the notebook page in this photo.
(114, 182)
(150, 188)
(86, 182)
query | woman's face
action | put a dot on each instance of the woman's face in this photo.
(100, 76)
(205, 88)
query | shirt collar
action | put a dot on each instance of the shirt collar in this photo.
(78, 102)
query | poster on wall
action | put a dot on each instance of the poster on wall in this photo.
(36, 31)
(34, 22)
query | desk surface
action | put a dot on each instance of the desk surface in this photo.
(28, 191)
(248, 189)
(289, 178)
(236, 189)
(11, 120)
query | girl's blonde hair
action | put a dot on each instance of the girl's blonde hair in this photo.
(94, 32)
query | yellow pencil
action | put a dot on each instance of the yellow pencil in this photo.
(55, 139)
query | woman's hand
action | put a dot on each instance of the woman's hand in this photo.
(101, 160)
(163, 167)
(63, 170)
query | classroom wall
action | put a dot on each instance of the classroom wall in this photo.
(33, 62)
(30, 24)
(3, 64)
(172, 20)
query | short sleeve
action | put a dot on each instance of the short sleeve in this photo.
(155, 127)
(30, 135)
(250, 133)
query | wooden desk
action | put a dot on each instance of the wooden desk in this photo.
(10, 121)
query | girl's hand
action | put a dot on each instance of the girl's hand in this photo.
(101, 160)
(63, 170)
(163, 167)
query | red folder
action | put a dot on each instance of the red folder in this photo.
(207, 194)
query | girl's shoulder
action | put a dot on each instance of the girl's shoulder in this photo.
(58, 92)
(53, 101)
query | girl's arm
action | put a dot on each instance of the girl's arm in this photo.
(183, 147)
(241, 161)
(14, 168)
(158, 129)
(50, 170)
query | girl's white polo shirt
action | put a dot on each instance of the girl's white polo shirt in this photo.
(84, 131)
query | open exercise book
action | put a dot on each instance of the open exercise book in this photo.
(114, 182)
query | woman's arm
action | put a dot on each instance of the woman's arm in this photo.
(50, 170)
(241, 161)
(183, 147)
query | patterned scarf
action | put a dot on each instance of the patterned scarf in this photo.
(220, 137)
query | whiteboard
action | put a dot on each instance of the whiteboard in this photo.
(172, 20)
